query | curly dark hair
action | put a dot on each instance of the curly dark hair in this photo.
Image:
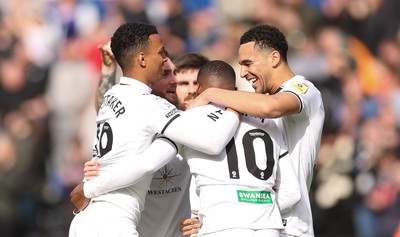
(189, 61)
(130, 38)
(219, 72)
(267, 37)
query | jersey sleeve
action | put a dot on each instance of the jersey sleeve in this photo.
(206, 128)
(287, 185)
(304, 90)
(130, 171)
(194, 195)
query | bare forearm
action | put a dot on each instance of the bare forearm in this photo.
(259, 105)
(108, 72)
(107, 80)
(244, 102)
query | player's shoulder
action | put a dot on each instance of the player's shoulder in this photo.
(206, 109)
(266, 124)
(154, 101)
(297, 84)
(302, 88)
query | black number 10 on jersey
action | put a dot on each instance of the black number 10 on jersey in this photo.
(250, 155)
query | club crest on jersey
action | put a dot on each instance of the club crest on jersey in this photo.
(164, 178)
(300, 87)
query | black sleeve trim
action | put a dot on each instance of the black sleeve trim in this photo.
(169, 122)
(298, 97)
(173, 143)
(283, 155)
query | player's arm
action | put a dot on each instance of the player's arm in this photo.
(125, 173)
(205, 130)
(131, 171)
(259, 105)
(106, 81)
(108, 73)
(287, 184)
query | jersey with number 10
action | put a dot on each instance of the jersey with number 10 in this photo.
(236, 186)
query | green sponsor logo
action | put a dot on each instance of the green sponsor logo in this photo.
(255, 197)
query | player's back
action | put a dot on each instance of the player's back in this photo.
(249, 159)
(236, 185)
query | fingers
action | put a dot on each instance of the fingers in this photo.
(190, 221)
(106, 48)
(195, 212)
(193, 226)
(89, 175)
(105, 51)
(106, 54)
(190, 229)
(91, 169)
(191, 232)
(190, 226)
(91, 165)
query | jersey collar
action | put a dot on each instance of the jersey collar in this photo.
(296, 77)
(140, 86)
(279, 89)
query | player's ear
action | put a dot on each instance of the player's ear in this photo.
(275, 58)
(142, 59)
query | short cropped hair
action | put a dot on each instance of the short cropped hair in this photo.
(219, 73)
(130, 38)
(189, 61)
(267, 37)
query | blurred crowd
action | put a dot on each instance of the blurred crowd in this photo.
(50, 65)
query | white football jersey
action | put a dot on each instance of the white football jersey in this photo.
(236, 186)
(127, 123)
(167, 198)
(302, 132)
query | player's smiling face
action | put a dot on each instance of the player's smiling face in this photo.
(156, 57)
(254, 66)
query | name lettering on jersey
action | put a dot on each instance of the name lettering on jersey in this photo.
(164, 191)
(254, 197)
(301, 87)
(115, 104)
(214, 116)
(171, 113)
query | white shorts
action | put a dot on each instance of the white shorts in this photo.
(243, 233)
(103, 219)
